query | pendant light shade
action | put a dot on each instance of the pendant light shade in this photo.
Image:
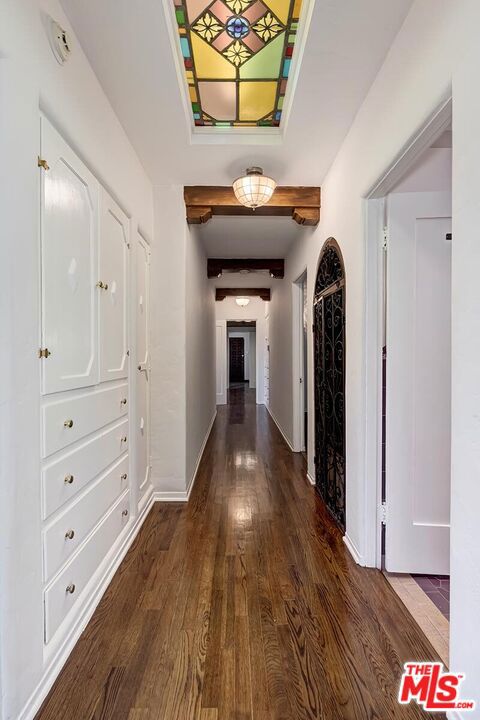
(242, 301)
(254, 189)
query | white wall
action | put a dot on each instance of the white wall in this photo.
(200, 352)
(183, 347)
(437, 50)
(168, 318)
(72, 98)
(229, 310)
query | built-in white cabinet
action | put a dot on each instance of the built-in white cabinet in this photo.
(89, 473)
(143, 366)
(112, 288)
(69, 229)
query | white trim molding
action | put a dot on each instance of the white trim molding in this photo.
(310, 479)
(184, 495)
(353, 550)
(279, 427)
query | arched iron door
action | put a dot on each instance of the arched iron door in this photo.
(329, 352)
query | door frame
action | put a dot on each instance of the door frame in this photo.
(298, 375)
(374, 206)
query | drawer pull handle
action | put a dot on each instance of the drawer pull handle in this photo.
(68, 479)
(70, 589)
(125, 513)
(124, 476)
(124, 401)
(70, 535)
(68, 423)
(123, 439)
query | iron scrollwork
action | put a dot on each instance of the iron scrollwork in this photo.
(329, 349)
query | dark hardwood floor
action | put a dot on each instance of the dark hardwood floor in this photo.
(243, 603)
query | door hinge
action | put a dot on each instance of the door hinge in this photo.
(385, 238)
(44, 353)
(383, 513)
(42, 163)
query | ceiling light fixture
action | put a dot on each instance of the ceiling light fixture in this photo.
(254, 189)
(242, 301)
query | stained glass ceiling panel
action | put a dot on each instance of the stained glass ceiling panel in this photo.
(237, 56)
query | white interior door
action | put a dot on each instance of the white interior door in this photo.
(143, 365)
(112, 288)
(418, 404)
(69, 215)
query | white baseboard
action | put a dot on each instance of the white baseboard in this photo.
(183, 495)
(62, 653)
(279, 427)
(353, 550)
(310, 479)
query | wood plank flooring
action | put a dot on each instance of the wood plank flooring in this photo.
(242, 604)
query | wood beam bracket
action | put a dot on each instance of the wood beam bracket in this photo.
(300, 203)
(215, 266)
(262, 293)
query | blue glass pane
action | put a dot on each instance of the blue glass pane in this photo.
(185, 47)
(237, 27)
(286, 68)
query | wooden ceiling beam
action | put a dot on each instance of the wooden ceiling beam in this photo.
(300, 203)
(215, 266)
(262, 293)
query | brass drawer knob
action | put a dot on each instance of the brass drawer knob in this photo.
(68, 479)
(124, 401)
(68, 423)
(70, 589)
(124, 439)
(124, 476)
(102, 285)
(70, 535)
(125, 513)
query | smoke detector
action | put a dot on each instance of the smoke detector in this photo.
(59, 41)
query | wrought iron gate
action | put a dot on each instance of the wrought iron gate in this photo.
(329, 351)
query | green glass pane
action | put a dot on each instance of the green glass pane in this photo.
(180, 14)
(266, 63)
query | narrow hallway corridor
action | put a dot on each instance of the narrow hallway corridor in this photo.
(243, 603)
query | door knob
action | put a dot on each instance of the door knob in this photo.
(123, 439)
(70, 589)
(125, 513)
(124, 476)
(68, 479)
(70, 535)
(68, 423)
(102, 285)
(123, 401)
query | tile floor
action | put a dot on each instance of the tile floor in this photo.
(437, 587)
(424, 611)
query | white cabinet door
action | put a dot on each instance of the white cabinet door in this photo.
(112, 290)
(143, 369)
(69, 227)
(418, 410)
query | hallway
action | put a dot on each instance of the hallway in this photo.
(243, 603)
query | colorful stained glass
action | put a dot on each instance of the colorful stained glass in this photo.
(237, 56)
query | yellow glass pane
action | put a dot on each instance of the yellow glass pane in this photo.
(209, 64)
(296, 9)
(257, 99)
(193, 94)
(279, 8)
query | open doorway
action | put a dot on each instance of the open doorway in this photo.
(414, 377)
(241, 357)
(300, 356)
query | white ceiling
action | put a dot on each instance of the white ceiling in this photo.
(250, 237)
(128, 46)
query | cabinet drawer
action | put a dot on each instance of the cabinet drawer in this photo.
(71, 419)
(62, 479)
(62, 538)
(65, 592)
